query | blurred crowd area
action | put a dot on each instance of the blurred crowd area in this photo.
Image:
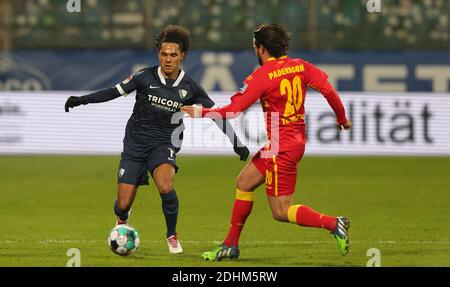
(225, 24)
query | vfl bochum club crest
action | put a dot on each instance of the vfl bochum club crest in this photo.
(182, 93)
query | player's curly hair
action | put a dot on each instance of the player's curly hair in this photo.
(273, 37)
(174, 34)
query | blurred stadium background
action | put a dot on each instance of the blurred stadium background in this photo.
(392, 69)
(219, 24)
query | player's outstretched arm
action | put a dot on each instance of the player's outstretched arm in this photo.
(318, 80)
(240, 101)
(239, 148)
(335, 103)
(96, 97)
(195, 111)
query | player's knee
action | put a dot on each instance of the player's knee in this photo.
(165, 187)
(279, 215)
(241, 184)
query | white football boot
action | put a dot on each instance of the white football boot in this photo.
(174, 245)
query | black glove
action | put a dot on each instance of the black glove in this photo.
(73, 101)
(242, 152)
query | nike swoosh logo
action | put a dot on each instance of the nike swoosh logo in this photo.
(154, 87)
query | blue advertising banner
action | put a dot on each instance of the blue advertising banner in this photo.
(222, 70)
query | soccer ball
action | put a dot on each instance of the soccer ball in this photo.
(123, 240)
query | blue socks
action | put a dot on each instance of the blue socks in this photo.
(122, 214)
(170, 209)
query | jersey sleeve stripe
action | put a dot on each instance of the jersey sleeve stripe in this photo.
(121, 91)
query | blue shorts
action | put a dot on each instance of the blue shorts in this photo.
(135, 172)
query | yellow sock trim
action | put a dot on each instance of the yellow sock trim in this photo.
(292, 213)
(244, 195)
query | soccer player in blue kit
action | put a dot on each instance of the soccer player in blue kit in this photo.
(148, 145)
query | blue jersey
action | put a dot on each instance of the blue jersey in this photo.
(157, 100)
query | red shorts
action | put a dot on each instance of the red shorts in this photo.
(280, 170)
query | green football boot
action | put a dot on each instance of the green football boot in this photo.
(341, 234)
(220, 252)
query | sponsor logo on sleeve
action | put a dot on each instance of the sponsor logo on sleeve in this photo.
(127, 80)
(243, 88)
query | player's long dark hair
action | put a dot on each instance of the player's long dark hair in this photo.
(274, 38)
(174, 34)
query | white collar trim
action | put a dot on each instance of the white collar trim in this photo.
(163, 80)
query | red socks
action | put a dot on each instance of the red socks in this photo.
(298, 214)
(241, 209)
(306, 216)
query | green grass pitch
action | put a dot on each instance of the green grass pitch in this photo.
(399, 205)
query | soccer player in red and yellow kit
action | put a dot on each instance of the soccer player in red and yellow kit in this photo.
(280, 84)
